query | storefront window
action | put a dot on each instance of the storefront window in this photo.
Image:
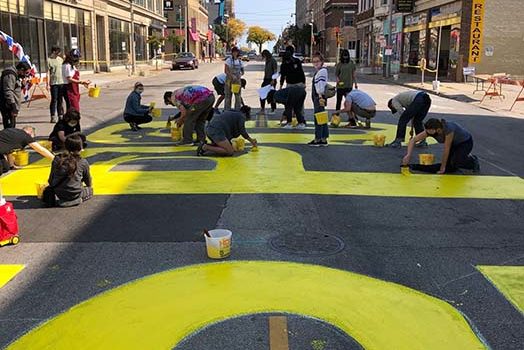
(119, 41)
(454, 46)
(140, 43)
(406, 48)
(433, 48)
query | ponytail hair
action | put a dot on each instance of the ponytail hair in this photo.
(434, 124)
(69, 160)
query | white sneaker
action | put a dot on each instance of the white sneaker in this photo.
(301, 126)
(287, 126)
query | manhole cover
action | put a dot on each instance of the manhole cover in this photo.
(307, 244)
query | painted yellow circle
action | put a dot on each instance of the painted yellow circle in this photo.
(158, 311)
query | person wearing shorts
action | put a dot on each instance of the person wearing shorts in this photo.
(219, 84)
(221, 130)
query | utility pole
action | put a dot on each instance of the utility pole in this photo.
(311, 39)
(226, 22)
(389, 41)
(186, 13)
(132, 41)
(180, 26)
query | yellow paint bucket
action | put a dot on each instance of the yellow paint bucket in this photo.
(21, 158)
(294, 122)
(254, 149)
(176, 134)
(379, 140)
(46, 144)
(404, 170)
(322, 117)
(426, 158)
(156, 112)
(218, 246)
(152, 104)
(94, 92)
(40, 187)
(239, 144)
(235, 88)
(335, 120)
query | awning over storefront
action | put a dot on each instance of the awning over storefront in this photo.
(444, 22)
(415, 28)
(194, 36)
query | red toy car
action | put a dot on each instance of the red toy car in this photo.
(8, 224)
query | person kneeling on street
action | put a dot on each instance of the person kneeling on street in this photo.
(12, 139)
(359, 104)
(458, 144)
(68, 125)
(292, 98)
(409, 105)
(221, 130)
(195, 104)
(136, 113)
(69, 174)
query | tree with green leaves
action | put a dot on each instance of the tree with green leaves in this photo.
(176, 41)
(259, 36)
(230, 32)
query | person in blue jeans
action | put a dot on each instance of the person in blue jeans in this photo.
(319, 100)
(135, 113)
(409, 105)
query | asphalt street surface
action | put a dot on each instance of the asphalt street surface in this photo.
(432, 245)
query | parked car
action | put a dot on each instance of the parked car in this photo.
(252, 55)
(185, 60)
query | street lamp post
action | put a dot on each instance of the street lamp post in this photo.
(186, 33)
(132, 41)
(180, 26)
(226, 17)
(311, 39)
(388, 45)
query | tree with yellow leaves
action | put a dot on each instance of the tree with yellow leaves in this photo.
(230, 32)
(259, 36)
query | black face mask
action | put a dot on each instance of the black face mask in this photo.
(288, 56)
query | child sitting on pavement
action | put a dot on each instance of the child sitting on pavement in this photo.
(69, 173)
(68, 125)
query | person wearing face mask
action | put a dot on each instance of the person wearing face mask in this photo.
(458, 144)
(11, 92)
(291, 71)
(136, 113)
(345, 72)
(68, 125)
(71, 76)
(234, 70)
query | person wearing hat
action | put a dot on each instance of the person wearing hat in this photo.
(136, 113)
(71, 76)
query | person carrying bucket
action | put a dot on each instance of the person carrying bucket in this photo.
(12, 139)
(458, 144)
(136, 113)
(72, 79)
(359, 104)
(219, 84)
(292, 98)
(409, 105)
(195, 104)
(221, 130)
(318, 89)
(234, 69)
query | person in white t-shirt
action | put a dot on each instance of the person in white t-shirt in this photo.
(71, 76)
(234, 70)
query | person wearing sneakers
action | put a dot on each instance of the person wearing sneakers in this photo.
(292, 98)
(195, 103)
(219, 84)
(270, 69)
(136, 113)
(458, 144)
(220, 130)
(318, 89)
(358, 104)
(409, 105)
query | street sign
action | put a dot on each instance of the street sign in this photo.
(405, 5)
(169, 5)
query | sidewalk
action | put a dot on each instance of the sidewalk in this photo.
(94, 111)
(457, 91)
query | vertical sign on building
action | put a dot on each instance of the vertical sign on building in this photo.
(477, 27)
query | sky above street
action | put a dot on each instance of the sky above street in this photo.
(273, 15)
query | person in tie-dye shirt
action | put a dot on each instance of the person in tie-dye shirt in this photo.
(195, 104)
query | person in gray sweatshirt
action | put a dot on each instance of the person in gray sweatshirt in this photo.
(11, 92)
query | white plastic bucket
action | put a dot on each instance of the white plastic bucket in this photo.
(219, 244)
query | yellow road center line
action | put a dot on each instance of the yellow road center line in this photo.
(278, 336)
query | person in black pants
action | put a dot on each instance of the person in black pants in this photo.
(409, 105)
(291, 71)
(458, 144)
(270, 68)
(135, 113)
(345, 73)
(292, 98)
(11, 92)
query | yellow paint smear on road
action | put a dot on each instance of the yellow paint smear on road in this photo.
(509, 280)
(159, 311)
(271, 170)
(8, 272)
